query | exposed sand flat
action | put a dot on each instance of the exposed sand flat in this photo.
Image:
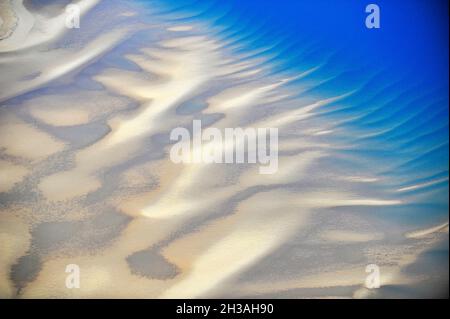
(167, 174)
(429, 231)
(239, 97)
(14, 242)
(350, 236)
(421, 185)
(291, 169)
(8, 19)
(391, 265)
(185, 74)
(330, 280)
(73, 108)
(251, 232)
(15, 139)
(17, 23)
(361, 179)
(33, 30)
(53, 65)
(67, 185)
(100, 279)
(61, 118)
(181, 28)
(127, 133)
(10, 174)
(299, 114)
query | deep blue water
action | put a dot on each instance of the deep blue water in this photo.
(413, 38)
(398, 115)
